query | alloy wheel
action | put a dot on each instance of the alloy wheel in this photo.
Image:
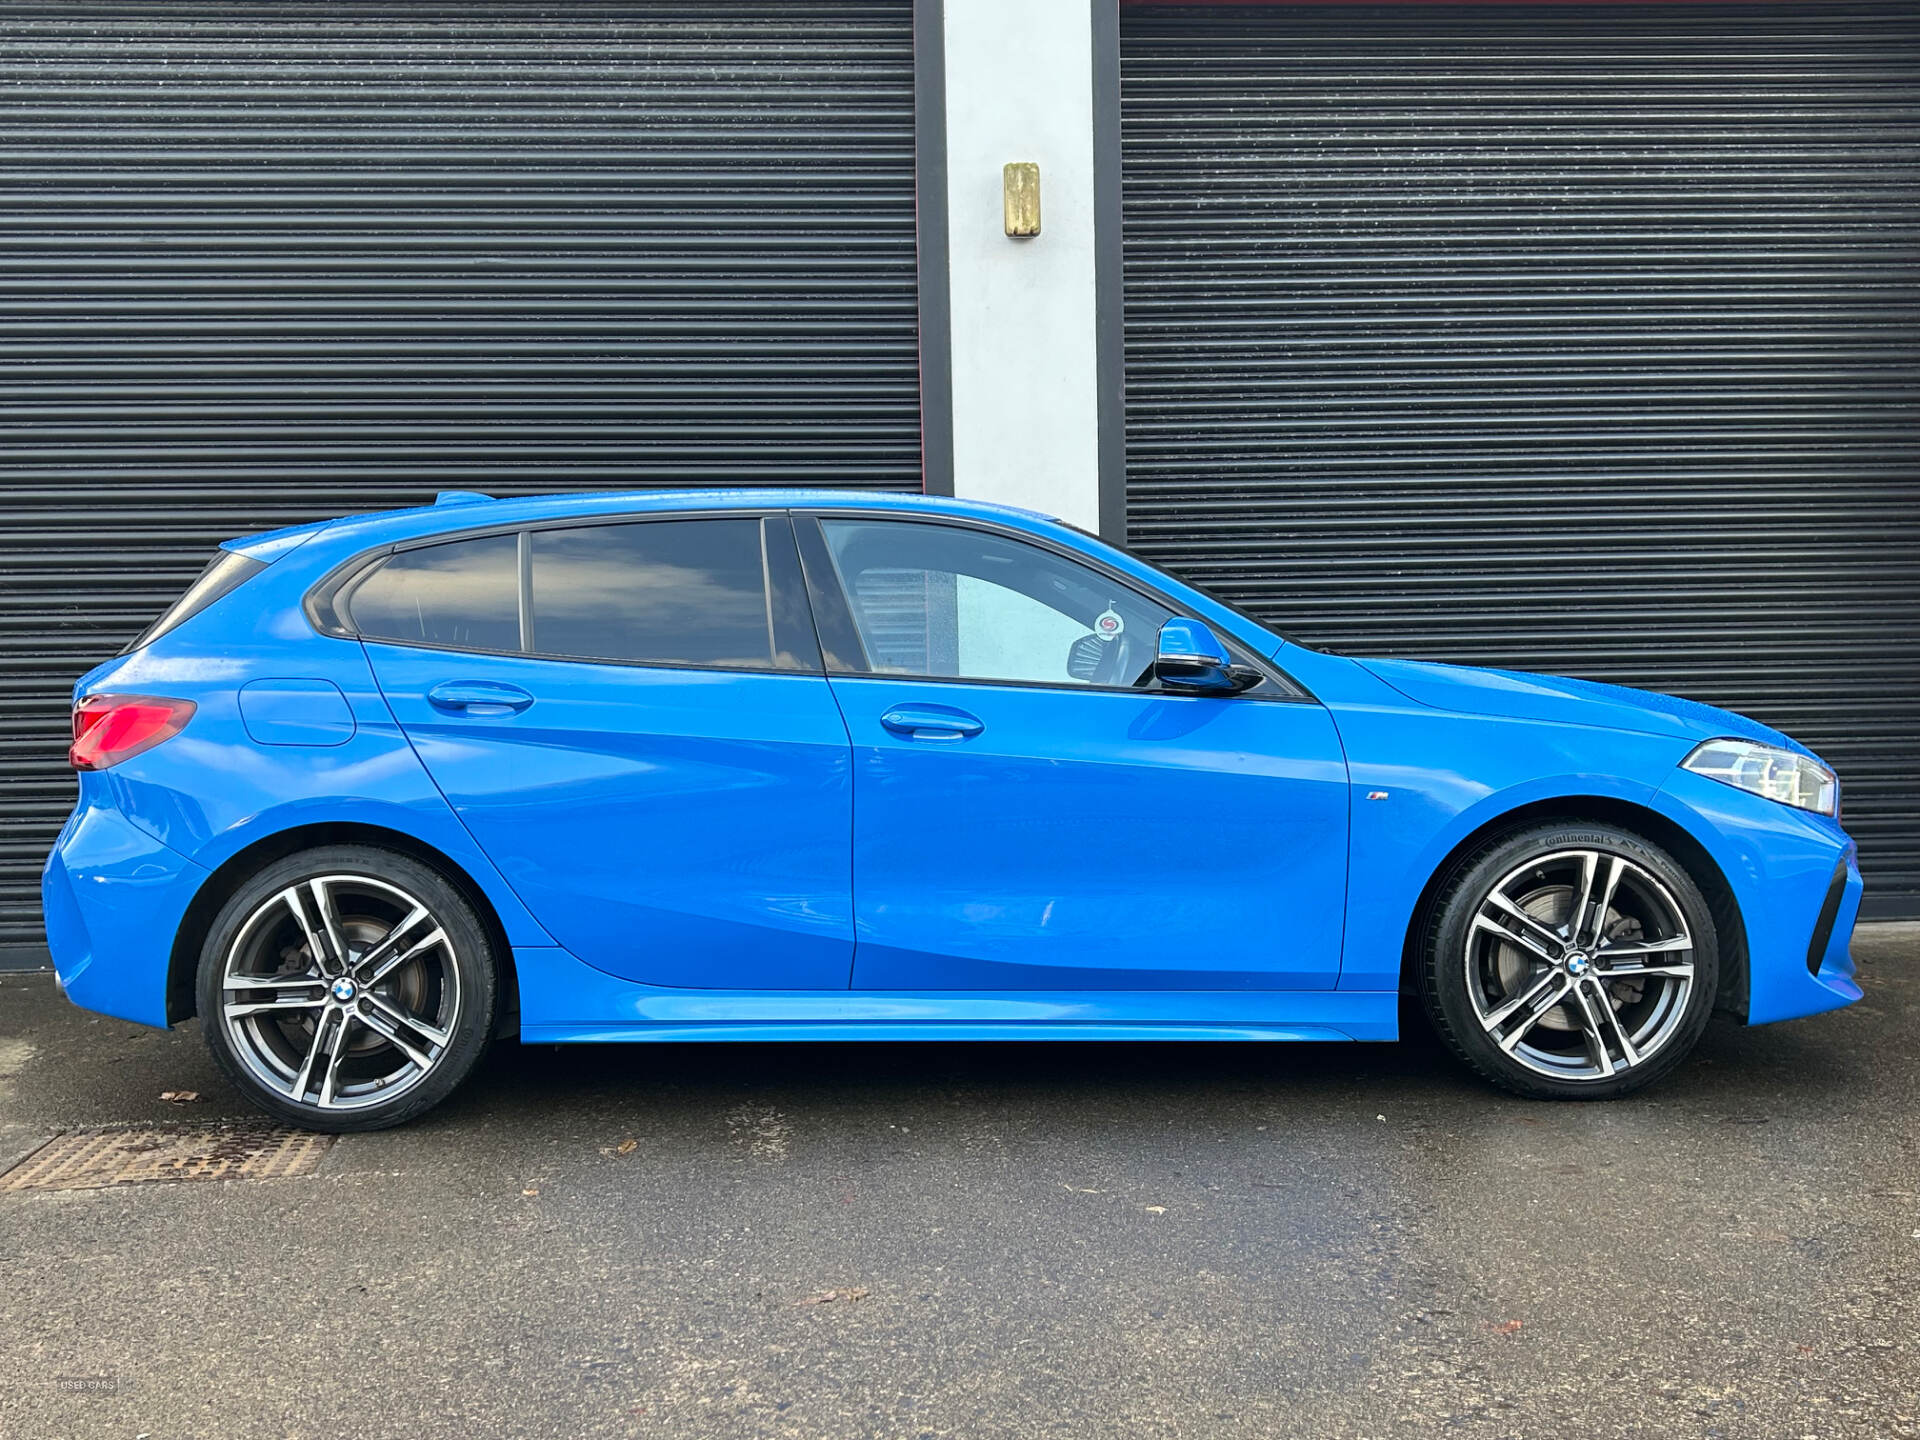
(340, 992)
(1579, 964)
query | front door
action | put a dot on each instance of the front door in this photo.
(647, 750)
(1030, 813)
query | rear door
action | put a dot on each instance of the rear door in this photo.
(631, 719)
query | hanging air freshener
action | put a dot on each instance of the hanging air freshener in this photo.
(1108, 625)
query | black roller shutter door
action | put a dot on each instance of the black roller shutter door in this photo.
(261, 263)
(1579, 340)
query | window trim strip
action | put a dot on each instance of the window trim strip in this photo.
(524, 556)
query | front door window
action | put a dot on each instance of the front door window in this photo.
(952, 602)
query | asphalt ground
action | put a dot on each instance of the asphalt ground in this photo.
(990, 1240)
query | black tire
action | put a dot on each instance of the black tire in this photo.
(1658, 971)
(427, 1018)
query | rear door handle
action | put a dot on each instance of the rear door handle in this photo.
(478, 697)
(931, 722)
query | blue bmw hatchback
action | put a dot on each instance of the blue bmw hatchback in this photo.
(816, 765)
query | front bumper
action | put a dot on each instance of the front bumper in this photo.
(1782, 864)
(114, 899)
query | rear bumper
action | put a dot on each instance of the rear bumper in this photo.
(1783, 865)
(114, 899)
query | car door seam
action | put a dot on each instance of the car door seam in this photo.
(452, 809)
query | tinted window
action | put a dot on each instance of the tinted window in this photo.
(674, 592)
(464, 593)
(225, 573)
(966, 604)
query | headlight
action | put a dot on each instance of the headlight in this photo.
(1782, 775)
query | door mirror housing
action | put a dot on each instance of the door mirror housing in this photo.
(1191, 659)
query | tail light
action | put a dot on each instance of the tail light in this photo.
(110, 728)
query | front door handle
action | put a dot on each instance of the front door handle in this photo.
(478, 697)
(931, 722)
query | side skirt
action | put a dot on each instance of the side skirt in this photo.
(565, 1001)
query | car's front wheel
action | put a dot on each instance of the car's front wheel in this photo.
(347, 988)
(1570, 962)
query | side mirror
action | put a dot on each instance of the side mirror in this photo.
(1192, 659)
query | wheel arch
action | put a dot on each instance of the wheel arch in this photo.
(236, 869)
(1649, 824)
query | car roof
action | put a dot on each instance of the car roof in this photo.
(458, 510)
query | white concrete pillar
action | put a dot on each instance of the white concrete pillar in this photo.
(1019, 80)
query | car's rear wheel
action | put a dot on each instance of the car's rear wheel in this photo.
(347, 988)
(1570, 962)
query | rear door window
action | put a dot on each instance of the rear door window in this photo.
(661, 592)
(463, 594)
